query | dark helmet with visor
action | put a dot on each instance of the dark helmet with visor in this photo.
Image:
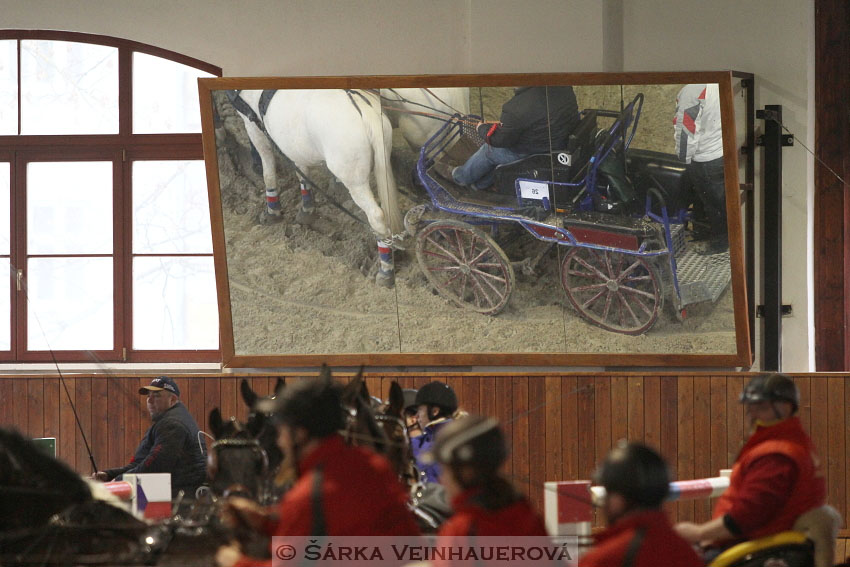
(437, 394)
(637, 473)
(771, 388)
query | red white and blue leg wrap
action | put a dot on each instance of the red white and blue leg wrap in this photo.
(307, 204)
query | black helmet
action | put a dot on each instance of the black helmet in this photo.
(772, 388)
(636, 472)
(437, 394)
(313, 404)
(472, 440)
(409, 400)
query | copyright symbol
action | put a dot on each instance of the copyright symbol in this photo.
(285, 552)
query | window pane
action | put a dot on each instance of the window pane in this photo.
(8, 88)
(69, 304)
(5, 308)
(165, 96)
(68, 88)
(174, 304)
(5, 184)
(69, 207)
(171, 212)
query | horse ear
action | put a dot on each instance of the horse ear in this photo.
(396, 400)
(278, 387)
(216, 423)
(352, 390)
(248, 393)
(255, 424)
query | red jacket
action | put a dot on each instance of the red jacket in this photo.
(517, 519)
(660, 546)
(786, 441)
(360, 495)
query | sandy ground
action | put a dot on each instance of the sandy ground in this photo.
(297, 290)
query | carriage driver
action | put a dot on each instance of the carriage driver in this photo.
(340, 490)
(170, 445)
(636, 481)
(776, 477)
(534, 120)
(471, 450)
(436, 403)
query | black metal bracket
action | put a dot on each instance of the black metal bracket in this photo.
(787, 140)
(786, 311)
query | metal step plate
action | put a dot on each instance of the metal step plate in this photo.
(703, 277)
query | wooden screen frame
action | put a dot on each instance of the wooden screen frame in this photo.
(742, 357)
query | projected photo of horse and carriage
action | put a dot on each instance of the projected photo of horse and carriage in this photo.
(474, 220)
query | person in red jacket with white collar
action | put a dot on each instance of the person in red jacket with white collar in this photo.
(636, 481)
(340, 490)
(471, 450)
(776, 477)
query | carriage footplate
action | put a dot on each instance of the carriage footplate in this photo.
(703, 277)
(471, 196)
(612, 223)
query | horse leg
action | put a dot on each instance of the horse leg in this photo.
(386, 268)
(307, 213)
(272, 209)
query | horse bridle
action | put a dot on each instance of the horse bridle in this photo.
(239, 443)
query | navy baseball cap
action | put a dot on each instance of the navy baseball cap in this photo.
(161, 383)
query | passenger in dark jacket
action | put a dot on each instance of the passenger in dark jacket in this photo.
(170, 445)
(535, 120)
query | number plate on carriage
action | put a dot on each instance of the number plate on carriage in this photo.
(533, 190)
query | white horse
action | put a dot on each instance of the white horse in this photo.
(344, 129)
(419, 113)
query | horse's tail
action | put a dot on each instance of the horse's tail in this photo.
(382, 142)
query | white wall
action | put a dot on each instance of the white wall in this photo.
(774, 39)
(771, 38)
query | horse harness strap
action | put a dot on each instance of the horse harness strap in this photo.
(351, 93)
(320, 528)
(240, 105)
(634, 548)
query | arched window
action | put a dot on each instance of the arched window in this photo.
(104, 217)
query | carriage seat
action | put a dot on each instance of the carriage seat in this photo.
(810, 544)
(562, 164)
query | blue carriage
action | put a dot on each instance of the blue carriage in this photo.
(619, 213)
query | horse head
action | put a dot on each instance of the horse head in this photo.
(236, 463)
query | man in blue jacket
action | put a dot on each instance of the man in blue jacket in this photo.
(171, 444)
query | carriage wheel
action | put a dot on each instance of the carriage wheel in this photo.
(465, 265)
(618, 292)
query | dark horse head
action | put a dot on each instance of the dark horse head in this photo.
(379, 426)
(244, 457)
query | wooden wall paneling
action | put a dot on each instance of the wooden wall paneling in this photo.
(735, 423)
(35, 407)
(585, 430)
(835, 457)
(669, 388)
(133, 427)
(229, 396)
(805, 412)
(504, 412)
(685, 454)
(7, 402)
(554, 442)
(66, 446)
(537, 437)
(840, 549)
(652, 411)
(192, 395)
(116, 390)
(99, 438)
(702, 442)
(819, 431)
(84, 413)
(846, 456)
(636, 409)
(373, 384)
(602, 418)
(719, 435)
(619, 409)
(520, 444)
(469, 392)
(487, 397)
(456, 384)
(212, 397)
(20, 405)
(52, 391)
